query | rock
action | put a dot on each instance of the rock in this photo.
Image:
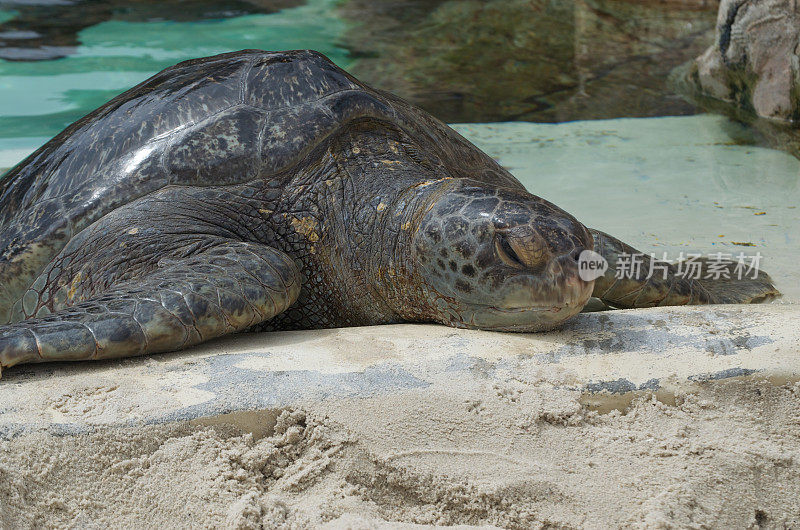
(533, 60)
(754, 61)
(261, 381)
(752, 71)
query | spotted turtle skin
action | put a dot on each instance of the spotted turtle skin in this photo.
(272, 190)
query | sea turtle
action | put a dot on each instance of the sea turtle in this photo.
(271, 190)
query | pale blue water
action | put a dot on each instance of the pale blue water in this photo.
(675, 184)
(672, 184)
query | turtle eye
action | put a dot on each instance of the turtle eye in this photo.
(506, 252)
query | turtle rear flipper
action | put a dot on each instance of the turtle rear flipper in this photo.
(628, 283)
(732, 285)
(221, 290)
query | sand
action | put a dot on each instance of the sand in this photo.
(516, 454)
(660, 418)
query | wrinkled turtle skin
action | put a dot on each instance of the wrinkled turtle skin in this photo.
(272, 191)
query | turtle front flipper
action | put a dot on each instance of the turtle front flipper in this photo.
(221, 290)
(633, 279)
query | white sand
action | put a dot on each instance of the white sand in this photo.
(515, 454)
(394, 426)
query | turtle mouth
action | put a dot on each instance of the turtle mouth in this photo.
(535, 317)
(524, 319)
(524, 309)
(537, 308)
(576, 302)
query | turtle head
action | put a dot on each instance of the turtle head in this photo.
(500, 259)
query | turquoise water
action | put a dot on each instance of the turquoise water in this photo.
(38, 99)
(673, 184)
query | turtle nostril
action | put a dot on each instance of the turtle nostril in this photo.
(576, 254)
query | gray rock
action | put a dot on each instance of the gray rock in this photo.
(754, 61)
(752, 71)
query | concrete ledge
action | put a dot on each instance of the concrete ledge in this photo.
(606, 355)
